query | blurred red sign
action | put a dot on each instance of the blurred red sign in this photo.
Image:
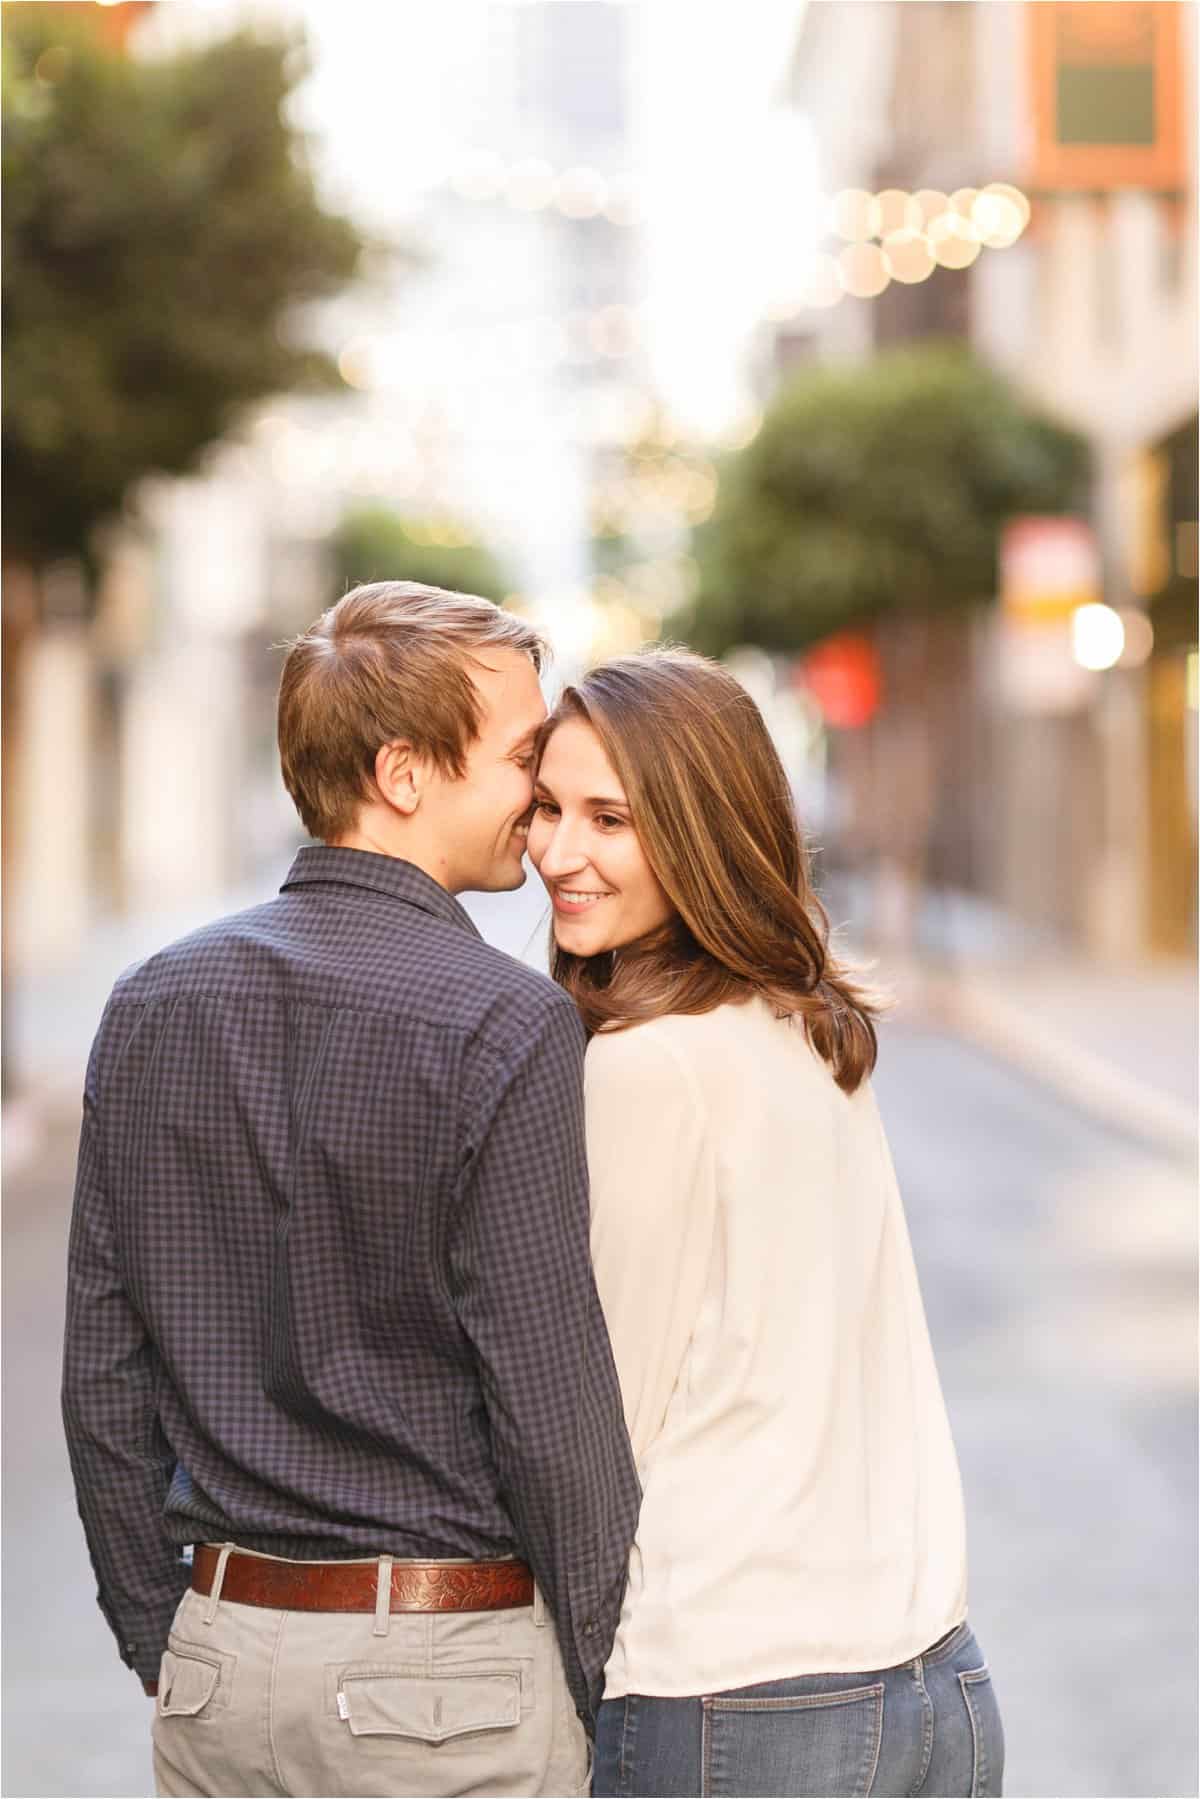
(1048, 567)
(844, 678)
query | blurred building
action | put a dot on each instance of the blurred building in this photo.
(1076, 810)
(492, 363)
(522, 328)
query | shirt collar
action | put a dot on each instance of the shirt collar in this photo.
(329, 865)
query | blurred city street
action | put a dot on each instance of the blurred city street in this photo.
(851, 343)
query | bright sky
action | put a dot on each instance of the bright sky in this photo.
(728, 186)
(731, 188)
(723, 175)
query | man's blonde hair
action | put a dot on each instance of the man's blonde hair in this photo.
(390, 661)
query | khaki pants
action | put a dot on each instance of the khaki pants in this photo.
(255, 1701)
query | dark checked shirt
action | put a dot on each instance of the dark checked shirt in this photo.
(329, 1287)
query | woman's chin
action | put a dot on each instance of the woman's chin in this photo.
(577, 939)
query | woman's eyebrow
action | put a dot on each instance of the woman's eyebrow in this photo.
(605, 805)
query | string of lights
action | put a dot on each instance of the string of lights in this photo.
(898, 236)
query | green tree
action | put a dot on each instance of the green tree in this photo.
(162, 235)
(873, 498)
(373, 543)
(873, 490)
(162, 238)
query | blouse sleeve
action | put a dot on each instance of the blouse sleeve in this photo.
(653, 1210)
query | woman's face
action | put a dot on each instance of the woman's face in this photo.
(583, 844)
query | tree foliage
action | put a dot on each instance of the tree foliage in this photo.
(873, 489)
(161, 232)
(373, 543)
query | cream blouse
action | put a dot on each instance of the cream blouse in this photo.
(801, 1508)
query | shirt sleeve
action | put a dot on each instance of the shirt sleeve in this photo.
(525, 1296)
(653, 1196)
(119, 1458)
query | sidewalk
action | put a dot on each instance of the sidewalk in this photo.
(1118, 1042)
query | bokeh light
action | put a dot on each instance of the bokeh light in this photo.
(853, 214)
(479, 176)
(895, 210)
(907, 256)
(1097, 636)
(954, 241)
(52, 65)
(621, 208)
(581, 193)
(932, 203)
(1139, 637)
(916, 232)
(1000, 214)
(356, 363)
(1003, 190)
(530, 184)
(862, 270)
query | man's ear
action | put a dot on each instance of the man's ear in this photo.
(400, 776)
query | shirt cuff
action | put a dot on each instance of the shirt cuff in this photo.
(141, 1641)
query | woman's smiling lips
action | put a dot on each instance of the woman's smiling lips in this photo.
(572, 901)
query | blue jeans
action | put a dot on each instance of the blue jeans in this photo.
(930, 1726)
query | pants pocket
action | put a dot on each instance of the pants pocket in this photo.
(193, 1682)
(987, 1733)
(819, 1744)
(428, 1708)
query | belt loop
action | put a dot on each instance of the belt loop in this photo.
(539, 1607)
(383, 1597)
(214, 1596)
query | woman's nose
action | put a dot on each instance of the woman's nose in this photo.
(561, 855)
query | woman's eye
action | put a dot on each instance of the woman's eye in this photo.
(546, 806)
(609, 822)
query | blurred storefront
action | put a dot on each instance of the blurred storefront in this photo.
(1077, 815)
(1163, 572)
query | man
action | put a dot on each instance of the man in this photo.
(331, 1316)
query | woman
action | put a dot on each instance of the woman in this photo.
(794, 1620)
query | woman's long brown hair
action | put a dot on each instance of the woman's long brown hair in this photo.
(714, 815)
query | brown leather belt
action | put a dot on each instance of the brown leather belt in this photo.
(352, 1586)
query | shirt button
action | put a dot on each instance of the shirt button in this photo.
(590, 1628)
